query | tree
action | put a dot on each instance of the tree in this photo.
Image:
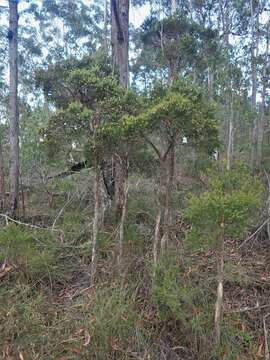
(13, 106)
(265, 82)
(254, 53)
(93, 99)
(2, 179)
(120, 39)
(120, 60)
(173, 113)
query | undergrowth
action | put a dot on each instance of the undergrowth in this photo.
(50, 311)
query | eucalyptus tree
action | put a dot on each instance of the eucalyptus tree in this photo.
(2, 178)
(120, 63)
(265, 85)
(13, 106)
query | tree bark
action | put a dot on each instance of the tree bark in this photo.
(230, 139)
(2, 179)
(210, 81)
(95, 224)
(254, 49)
(105, 35)
(173, 7)
(122, 228)
(157, 227)
(120, 51)
(168, 189)
(120, 39)
(262, 120)
(13, 106)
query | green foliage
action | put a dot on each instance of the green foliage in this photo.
(173, 297)
(22, 249)
(93, 98)
(227, 206)
(180, 110)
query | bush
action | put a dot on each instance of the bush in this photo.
(230, 205)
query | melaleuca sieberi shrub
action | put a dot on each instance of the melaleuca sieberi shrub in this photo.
(178, 111)
(229, 205)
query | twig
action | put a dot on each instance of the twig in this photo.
(8, 218)
(252, 235)
(248, 309)
(61, 210)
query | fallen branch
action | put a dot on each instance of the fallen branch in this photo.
(255, 233)
(245, 309)
(8, 218)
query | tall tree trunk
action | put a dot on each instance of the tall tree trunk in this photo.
(2, 179)
(224, 10)
(13, 106)
(173, 7)
(105, 35)
(210, 81)
(120, 50)
(120, 39)
(254, 49)
(261, 123)
(230, 138)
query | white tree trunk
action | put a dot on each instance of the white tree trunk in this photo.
(173, 7)
(230, 139)
(219, 300)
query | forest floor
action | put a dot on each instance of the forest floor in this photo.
(50, 311)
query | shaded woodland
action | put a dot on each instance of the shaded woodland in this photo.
(134, 179)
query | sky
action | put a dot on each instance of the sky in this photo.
(137, 14)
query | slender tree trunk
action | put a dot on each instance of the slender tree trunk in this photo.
(230, 138)
(210, 80)
(219, 300)
(120, 180)
(13, 106)
(168, 179)
(22, 197)
(254, 49)
(224, 11)
(2, 179)
(173, 7)
(172, 61)
(262, 121)
(157, 227)
(105, 36)
(122, 228)
(95, 224)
